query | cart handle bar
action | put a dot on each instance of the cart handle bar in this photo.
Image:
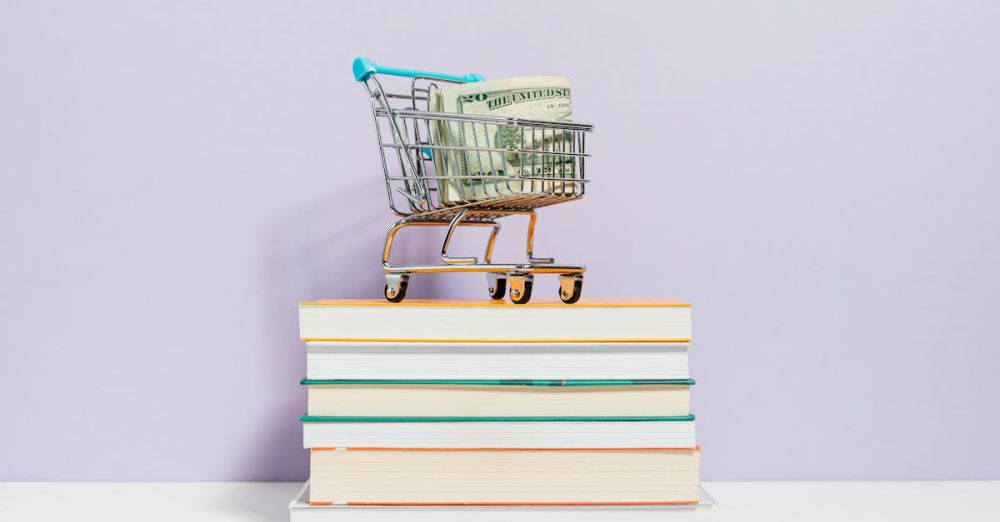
(363, 69)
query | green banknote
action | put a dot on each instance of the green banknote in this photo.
(521, 152)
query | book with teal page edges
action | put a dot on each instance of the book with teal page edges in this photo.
(499, 398)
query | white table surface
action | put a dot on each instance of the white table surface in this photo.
(253, 502)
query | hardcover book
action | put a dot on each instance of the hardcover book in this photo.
(499, 432)
(300, 510)
(507, 360)
(500, 398)
(494, 321)
(451, 476)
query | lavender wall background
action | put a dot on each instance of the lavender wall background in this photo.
(820, 179)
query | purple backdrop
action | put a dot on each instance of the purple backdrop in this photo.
(820, 181)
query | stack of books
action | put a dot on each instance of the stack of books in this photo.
(488, 409)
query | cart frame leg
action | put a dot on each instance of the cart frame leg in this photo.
(403, 223)
(458, 221)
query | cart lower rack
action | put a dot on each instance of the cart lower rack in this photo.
(459, 170)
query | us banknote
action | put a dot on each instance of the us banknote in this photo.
(544, 98)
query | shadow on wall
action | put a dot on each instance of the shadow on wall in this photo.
(330, 248)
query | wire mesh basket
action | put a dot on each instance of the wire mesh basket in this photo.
(449, 169)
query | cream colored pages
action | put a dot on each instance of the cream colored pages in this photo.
(618, 476)
(417, 321)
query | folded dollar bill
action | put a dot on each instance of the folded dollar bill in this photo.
(526, 152)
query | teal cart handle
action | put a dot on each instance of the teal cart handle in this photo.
(364, 68)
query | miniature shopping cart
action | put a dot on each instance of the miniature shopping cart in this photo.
(442, 170)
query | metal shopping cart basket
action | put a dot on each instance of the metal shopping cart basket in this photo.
(434, 180)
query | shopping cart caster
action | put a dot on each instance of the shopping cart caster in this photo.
(520, 287)
(497, 284)
(395, 287)
(570, 288)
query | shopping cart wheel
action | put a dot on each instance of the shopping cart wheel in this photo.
(570, 288)
(497, 284)
(520, 287)
(395, 287)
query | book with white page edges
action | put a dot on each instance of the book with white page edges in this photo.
(499, 432)
(511, 360)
